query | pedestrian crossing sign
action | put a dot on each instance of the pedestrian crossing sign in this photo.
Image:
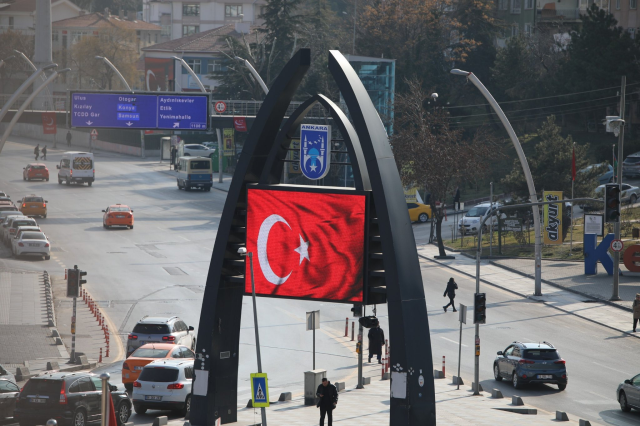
(259, 390)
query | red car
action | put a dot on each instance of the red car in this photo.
(35, 171)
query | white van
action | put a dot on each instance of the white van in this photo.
(471, 221)
(76, 167)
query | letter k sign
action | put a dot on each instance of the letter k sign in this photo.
(593, 254)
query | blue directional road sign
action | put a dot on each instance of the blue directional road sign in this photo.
(148, 111)
(259, 390)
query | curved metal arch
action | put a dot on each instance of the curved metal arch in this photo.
(408, 319)
(273, 168)
(219, 326)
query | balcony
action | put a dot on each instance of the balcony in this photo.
(549, 13)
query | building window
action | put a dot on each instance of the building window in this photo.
(618, 4)
(214, 66)
(232, 10)
(528, 4)
(190, 10)
(515, 6)
(166, 31)
(503, 4)
(527, 29)
(54, 36)
(194, 64)
(632, 32)
(514, 30)
(633, 4)
(76, 36)
(190, 29)
(10, 22)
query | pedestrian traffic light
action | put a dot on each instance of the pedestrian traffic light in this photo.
(357, 311)
(480, 308)
(612, 203)
(72, 282)
(80, 275)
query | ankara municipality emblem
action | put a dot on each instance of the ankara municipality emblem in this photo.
(315, 150)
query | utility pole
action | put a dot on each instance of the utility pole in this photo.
(491, 223)
(616, 255)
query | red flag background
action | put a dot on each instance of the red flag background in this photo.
(240, 123)
(333, 226)
(49, 124)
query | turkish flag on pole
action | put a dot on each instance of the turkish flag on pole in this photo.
(306, 245)
(573, 165)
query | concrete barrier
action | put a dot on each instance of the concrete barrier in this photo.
(53, 365)
(54, 333)
(584, 422)
(250, 404)
(495, 393)
(366, 380)
(161, 421)
(437, 374)
(59, 341)
(286, 396)
(457, 380)
(82, 360)
(340, 386)
(562, 416)
(516, 400)
(22, 373)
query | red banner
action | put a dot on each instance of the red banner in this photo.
(157, 71)
(49, 125)
(306, 245)
(240, 123)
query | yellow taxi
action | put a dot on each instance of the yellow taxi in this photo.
(419, 212)
(117, 215)
(148, 353)
(33, 205)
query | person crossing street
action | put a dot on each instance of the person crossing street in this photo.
(36, 151)
(44, 152)
(450, 291)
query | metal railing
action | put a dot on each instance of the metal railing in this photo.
(569, 14)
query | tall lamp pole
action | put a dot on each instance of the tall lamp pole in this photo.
(525, 168)
(34, 68)
(243, 252)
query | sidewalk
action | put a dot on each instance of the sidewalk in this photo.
(583, 306)
(371, 406)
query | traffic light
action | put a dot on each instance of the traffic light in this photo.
(357, 311)
(369, 322)
(612, 203)
(480, 308)
(72, 282)
(80, 280)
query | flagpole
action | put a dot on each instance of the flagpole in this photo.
(573, 179)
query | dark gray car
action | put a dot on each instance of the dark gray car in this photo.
(9, 393)
(524, 363)
(628, 394)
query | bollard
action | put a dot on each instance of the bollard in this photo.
(443, 374)
(384, 364)
(100, 359)
(353, 333)
(386, 347)
(346, 328)
(107, 355)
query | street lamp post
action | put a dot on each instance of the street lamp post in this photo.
(254, 73)
(525, 168)
(243, 252)
(34, 68)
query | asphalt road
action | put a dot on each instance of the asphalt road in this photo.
(177, 229)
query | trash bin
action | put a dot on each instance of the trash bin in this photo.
(312, 379)
(635, 233)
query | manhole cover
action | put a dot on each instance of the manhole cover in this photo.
(174, 270)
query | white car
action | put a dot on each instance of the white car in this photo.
(630, 194)
(471, 221)
(197, 150)
(33, 244)
(19, 231)
(164, 385)
(8, 226)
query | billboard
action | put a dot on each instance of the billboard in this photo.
(157, 71)
(227, 139)
(552, 231)
(306, 245)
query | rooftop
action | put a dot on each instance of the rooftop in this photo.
(26, 5)
(100, 20)
(207, 41)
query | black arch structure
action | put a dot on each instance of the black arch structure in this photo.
(393, 265)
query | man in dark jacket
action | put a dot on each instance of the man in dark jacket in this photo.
(376, 340)
(68, 138)
(36, 151)
(174, 152)
(451, 292)
(328, 395)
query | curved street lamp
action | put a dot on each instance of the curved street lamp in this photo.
(118, 73)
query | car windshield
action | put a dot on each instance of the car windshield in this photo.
(477, 211)
(200, 165)
(33, 199)
(150, 353)
(632, 160)
(161, 374)
(33, 236)
(541, 354)
(17, 223)
(152, 329)
(42, 387)
(119, 209)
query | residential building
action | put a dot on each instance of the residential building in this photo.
(19, 15)
(201, 51)
(626, 13)
(180, 18)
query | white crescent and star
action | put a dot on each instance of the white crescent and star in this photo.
(50, 123)
(263, 259)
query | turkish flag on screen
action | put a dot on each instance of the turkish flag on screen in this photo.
(306, 245)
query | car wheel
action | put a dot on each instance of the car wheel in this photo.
(207, 189)
(59, 181)
(187, 188)
(131, 227)
(128, 387)
(496, 373)
(139, 409)
(187, 406)
(79, 418)
(47, 257)
(562, 387)
(623, 403)
(123, 413)
(634, 198)
(68, 182)
(44, 217)
(89, 183)
(423, 217)
(47, 179)
(516, 381)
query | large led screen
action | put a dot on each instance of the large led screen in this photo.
(306, 245)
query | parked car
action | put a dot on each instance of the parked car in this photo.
(33, 205)
(161, 330)
(606, 177)
(117, 215)
(19, 232)
(32, 244)
(9, 392)
(630, 194)
(525, 363)
(4, 194)
(4, 374)
(7, 206)
(419, 212)
(148, 353)
(164, 385)
(11, 224)
(35, 171)
(471, 221)
(628, 394)
(631, 165)
(71, 398)
(196, 150)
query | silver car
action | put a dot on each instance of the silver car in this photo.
(630, 194)
(161, 330)
(628, 394)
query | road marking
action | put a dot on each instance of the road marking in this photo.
(452, 341)
(613, 369)
(186, 239)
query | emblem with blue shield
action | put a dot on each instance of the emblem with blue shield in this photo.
(315, 150)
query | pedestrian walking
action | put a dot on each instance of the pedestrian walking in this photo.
(451, 293)
(328, 395)
(69, 138)
(456, 199)
(174, 152)
(44, 152)
(36, 151)
(376, 340)
(636, 311)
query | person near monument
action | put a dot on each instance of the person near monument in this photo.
(376, 341)
(328, 395)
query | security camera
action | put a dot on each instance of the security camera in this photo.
(242, 251)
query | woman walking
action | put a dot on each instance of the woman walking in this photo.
(450, 291)
(636, 311)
